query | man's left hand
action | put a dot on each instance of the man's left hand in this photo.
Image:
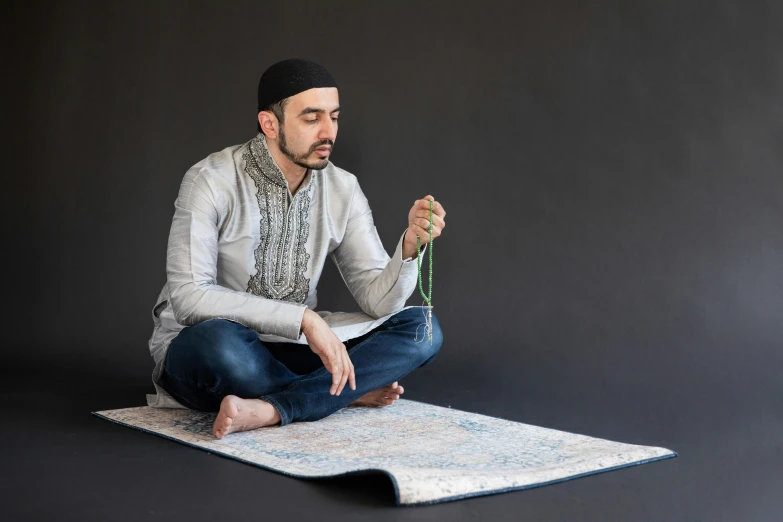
(419, 224)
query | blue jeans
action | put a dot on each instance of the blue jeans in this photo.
(218, 357)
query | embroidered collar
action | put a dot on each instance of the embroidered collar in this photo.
(268, 166)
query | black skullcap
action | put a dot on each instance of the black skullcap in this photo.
(291, 77)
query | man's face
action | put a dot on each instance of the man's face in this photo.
(309, 128)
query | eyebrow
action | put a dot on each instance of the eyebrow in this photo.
(309, 110)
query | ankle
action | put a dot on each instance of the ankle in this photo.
(269, 411)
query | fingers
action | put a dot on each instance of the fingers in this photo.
(423, 233)
(437, 208)
(352, 376)
(436, 219)
(342, 372)
(334, 357)
(345, 370)
(424, 222)
(336, 371)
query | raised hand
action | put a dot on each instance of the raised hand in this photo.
(419, 221)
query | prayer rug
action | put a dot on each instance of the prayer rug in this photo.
(431, 453)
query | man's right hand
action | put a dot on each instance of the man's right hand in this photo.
(324, 343)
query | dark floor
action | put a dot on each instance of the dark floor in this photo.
(61, 463)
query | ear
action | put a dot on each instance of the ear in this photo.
(269, 124)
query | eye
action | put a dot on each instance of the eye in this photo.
(334, 119)
(312, 121)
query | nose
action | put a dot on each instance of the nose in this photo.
(328, 130)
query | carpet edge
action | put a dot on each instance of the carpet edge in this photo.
(257, 465)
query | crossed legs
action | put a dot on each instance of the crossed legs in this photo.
(221, 366)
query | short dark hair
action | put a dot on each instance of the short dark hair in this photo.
(277, 108)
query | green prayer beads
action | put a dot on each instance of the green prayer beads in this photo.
(427, 297)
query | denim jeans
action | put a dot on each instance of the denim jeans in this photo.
(218, 357)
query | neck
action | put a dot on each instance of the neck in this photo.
(293, 173)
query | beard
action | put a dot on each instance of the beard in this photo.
(302, 159)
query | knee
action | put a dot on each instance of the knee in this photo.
(207, 336)
(437, 341)
(413, 322)
(219, 347)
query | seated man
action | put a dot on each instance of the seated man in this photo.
(235, 331)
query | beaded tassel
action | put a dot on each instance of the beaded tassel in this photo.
(427, 298)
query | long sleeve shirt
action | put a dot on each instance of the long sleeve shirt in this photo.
(242, 247)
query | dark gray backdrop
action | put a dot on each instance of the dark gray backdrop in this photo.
(612, 264)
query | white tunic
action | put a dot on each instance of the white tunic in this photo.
(241, 247)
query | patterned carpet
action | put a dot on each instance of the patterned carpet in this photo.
(432, 454)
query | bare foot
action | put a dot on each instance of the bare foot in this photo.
(243, 414)
(380, 397)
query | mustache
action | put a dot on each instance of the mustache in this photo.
(321, 144)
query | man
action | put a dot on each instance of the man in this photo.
(235, 327)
